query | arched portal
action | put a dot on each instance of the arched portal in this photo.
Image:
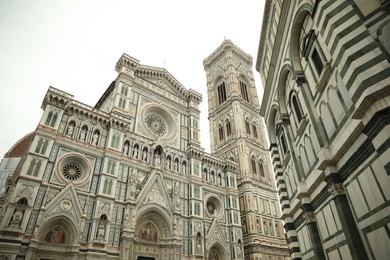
(153, 235)
(57, 238)
(216, 252)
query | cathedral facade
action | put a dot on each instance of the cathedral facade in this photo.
(326, 73)
(128, 179)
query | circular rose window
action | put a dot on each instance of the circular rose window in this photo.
(158, 122)
(214, 207)
(71, 171)
(74, 168)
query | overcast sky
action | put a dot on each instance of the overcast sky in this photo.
(74, 45)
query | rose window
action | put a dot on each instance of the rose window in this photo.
(156, 124)
(74, 168)
(211, 207)
(71, 171)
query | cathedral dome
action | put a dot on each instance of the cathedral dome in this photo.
(20, 147)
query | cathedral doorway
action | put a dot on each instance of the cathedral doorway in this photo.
(216, 252)
(153, 236)
(56, 239)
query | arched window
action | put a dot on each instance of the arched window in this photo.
(221, 93)
(296, 107)
(228, 129)
(253, 163)
(244, 91)
(220, 131)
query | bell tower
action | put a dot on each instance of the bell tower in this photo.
(237, 133)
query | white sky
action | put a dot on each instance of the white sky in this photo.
(74, 45)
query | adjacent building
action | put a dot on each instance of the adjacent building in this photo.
(326, 76)
(237, 134)
(128, 179)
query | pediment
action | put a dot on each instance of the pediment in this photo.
(163, 82)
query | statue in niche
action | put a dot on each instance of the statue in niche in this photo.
(135, 151)
(95, 138)
(69, 131)
(83, 134)
(100, 233)
(157, 159)
(16, 218)
(145, 155)
(126, 149)
(176, 165)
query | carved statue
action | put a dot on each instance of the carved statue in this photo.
(16, 218)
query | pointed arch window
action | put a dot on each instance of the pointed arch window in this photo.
(228, 128)
(221, 93)
(51, 119)
(244, 91)
(41, 146)
(34, 168)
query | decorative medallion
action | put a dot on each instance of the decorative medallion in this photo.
(66, 205)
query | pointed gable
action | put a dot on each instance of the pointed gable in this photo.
(215, 233)
(155, 192)
(65, 203)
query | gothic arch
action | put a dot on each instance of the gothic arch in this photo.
(217, 252)
(69, 231)
(159, 218)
